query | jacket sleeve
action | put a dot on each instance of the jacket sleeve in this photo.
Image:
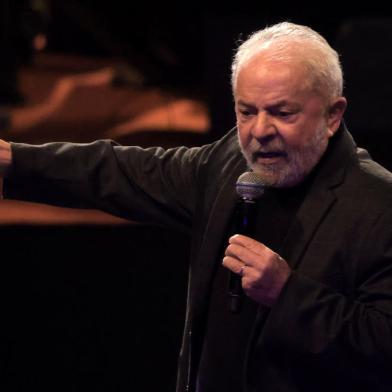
(149, 185)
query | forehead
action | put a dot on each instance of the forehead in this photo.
(261, 76)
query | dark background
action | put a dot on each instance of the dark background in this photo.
(91, 308)
(101, 308)
(189, 46)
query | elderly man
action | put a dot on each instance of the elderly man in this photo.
(317, 272)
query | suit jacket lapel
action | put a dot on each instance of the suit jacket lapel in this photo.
(308, 218)
(320, 197)
(214, 233)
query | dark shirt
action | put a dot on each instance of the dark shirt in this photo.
(228, 334)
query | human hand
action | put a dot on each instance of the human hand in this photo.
(5, 157)
(263, 272)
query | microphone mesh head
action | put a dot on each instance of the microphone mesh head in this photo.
(250, 186)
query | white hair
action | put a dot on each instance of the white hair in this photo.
(287, 42)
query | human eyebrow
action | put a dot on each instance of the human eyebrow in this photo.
(246, 108)
(244, 104)
(283, 107)
(285, 103)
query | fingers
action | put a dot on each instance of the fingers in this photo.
(247, 250)
(247, 242)
(263, 272)
(240, 254)
(234, 265)
(244, 252)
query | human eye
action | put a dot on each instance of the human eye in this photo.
(285, 113)
(245, 112)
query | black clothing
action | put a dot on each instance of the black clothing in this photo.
(228, 335)
(331, 328)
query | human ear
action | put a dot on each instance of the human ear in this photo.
(335, 115)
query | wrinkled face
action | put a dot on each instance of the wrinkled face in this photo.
(283, 126)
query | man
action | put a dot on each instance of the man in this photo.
(317, 274)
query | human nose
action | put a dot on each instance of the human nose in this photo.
(263, 127)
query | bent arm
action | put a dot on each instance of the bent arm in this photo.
(343, 337)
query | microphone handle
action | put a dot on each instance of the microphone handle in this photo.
(245, 217)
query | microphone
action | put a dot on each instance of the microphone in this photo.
(249, 188)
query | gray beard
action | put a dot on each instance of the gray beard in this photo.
(295, 167)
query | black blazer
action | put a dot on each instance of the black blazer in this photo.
(331, 329)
